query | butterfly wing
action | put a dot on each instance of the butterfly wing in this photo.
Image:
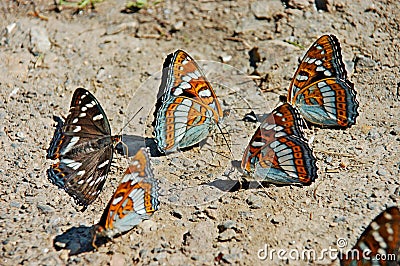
(278, 152)
(380, 242)
(188, 108)
(84, 146)
(320, 88)
(135, 199)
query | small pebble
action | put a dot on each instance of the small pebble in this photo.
(278, 219)
(381, 172)
(45, 208)
(227, 235)
(229, 224)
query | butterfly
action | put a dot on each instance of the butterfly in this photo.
(379, 244)
(320, 89)
(135, 199)
(278, 152)
(84, 146)
(188, 108)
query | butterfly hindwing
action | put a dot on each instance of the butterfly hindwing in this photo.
(379, 244)
(135, 199)
(278, 151)
(188, 108)
(320, 88)
(84, 147)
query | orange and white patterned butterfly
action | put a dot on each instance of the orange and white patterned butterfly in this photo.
(278, 151)
(188, 109)
(135, 200)
(379, 244)
(320, 89)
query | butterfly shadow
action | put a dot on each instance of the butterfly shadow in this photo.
(76, 239)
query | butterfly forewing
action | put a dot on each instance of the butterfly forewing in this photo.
(278, 152)
(84, 146)
(135, 199)
(320, 87)
(188, 109)
(380, 242)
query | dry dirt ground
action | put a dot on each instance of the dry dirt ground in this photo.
(118, 56)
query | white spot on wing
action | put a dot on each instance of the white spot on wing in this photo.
(117, 200)
(71, 163)
(186, 78)
(205, 93)
(91, 104)
(72, 142)
(185, 85)
(178, 91)
(75, 121)
(98, 117)
(257, 144)
(103, 164)
(301, 78)
(81, 173)
(77, 129)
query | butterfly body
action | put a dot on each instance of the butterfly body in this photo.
(84, 146)
(135, 199)
(188, 108)
(320, 89)
(278, 151)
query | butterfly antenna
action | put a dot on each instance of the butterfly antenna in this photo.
(127, 123)
(226, 141)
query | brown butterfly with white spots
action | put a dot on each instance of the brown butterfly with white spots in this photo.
(84, 146)
(379, 244)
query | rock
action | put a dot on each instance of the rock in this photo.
(45, 208)
(229, 224)
(232, 258)
(225, 58)
(10, 28)
(339, 219)
(371, 205)
(227, 235)
(267, 9)
(278, 219)
(15, 204)
(298, 4)
(101, 75)
(160, 256)
(362, 63)
(254, 202)
(381, 172)
(39, 40)
(177, 26)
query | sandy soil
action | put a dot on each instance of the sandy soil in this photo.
(118, 56)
